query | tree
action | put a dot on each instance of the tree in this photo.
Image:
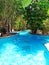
(9, 11)
(35, 13)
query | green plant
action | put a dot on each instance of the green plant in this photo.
(20, 24)
(35, 13)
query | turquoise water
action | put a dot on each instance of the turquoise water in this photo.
(24, 49)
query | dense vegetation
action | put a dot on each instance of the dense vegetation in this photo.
(23, 14)
(35, 13)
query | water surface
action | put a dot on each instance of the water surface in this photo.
(24, 49)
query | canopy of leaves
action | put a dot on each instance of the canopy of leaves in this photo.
(10, 10)
(35, 13)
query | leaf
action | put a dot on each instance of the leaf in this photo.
(25, 3)
(48, 12)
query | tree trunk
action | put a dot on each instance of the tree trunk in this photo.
(34, 31)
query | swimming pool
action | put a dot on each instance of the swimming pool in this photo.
(24, 49)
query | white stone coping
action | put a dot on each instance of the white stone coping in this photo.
(47, 46)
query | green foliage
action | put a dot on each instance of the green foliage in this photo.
(1, 5)
(35, 13)
(1, 8)
(46, 25)
(20, 24)
(16, 25)
(10, 10)
(25, 3)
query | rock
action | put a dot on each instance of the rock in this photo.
(39, 32)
